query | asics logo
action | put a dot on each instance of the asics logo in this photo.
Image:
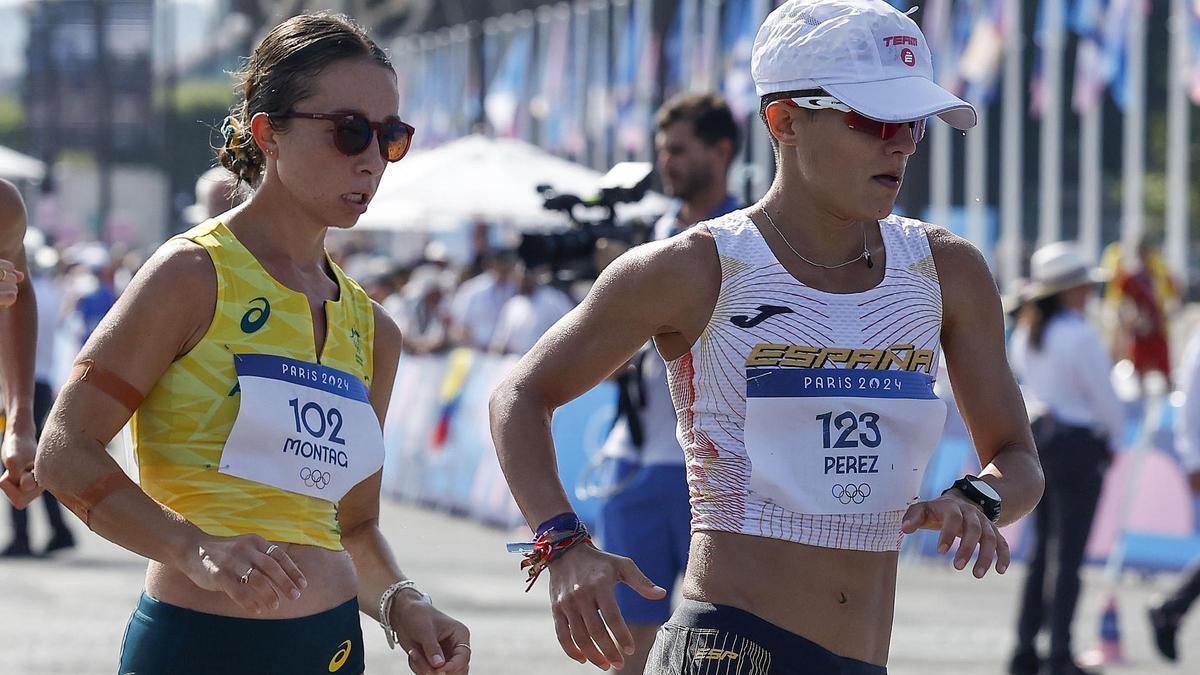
(764, 312)
(851, 492)
(340, 657)
(256, 317)
(314, 477)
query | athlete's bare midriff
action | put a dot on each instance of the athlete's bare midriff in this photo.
(330, 574)
(842, 600)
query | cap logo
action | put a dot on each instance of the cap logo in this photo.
(898, 40)
(907, 56)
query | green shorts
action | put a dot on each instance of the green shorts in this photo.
(163, 639)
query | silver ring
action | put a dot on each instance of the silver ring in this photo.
(463, 644)
(272, 548)
(245, 578)
(3, 275)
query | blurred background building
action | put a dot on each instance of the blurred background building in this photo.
(109, 111)
(1086, 104)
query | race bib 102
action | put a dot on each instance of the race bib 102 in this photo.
(302, 427)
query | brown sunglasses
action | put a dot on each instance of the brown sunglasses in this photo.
(352, 133)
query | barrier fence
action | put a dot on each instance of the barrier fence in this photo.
(440, 454)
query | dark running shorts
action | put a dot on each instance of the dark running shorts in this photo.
(706, 639)
(163, 639)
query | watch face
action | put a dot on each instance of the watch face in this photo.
(987, 490)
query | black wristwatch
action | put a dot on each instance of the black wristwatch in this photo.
(980, 493)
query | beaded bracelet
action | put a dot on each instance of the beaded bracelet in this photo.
(385, 607)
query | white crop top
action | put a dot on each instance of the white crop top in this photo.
(809, 416)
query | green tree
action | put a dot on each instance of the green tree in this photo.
(192, 116)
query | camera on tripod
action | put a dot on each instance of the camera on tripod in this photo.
(569, 253)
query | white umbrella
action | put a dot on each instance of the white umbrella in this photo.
(475, 177)
(15, 166)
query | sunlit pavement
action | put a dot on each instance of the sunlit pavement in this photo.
(67, 614)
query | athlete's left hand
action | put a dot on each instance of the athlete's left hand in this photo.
(436, 644)
(16, 479)
(958, 518)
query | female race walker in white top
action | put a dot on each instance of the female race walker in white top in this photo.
(802, 337)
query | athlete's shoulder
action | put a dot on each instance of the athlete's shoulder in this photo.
(179, 267)
(387, 346)
(687, 253)
(172, 296)
(387, 331)
(670, 279)
(12, 212)
(10, 198)
(953, 254)
(968, 287)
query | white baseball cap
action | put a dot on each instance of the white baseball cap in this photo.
(865, 53)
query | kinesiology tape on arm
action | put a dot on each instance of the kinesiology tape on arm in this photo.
(108, 382)
(90, 497)
(127, 395)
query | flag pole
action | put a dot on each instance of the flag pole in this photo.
(540, 114)
(1178, 142)
(977, 141)
(598, 98)
(1134, 160)
(763, 157)
(690, 43)
(1011, 158)
(941, 139)
(709, 45)
(644, 91)
(1050, 140)
(1089, 181)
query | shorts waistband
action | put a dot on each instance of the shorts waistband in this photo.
(776, 640)
(153, 608)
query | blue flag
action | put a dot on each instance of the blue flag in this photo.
(1193, 15)
(503, 104)
(674, 58)
(740, 25)
(1087, 21)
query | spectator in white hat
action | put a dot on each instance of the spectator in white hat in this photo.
(802, 338)
(1077, 420)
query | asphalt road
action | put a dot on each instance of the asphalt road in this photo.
(66, 615)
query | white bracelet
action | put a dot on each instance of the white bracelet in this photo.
(385, 607)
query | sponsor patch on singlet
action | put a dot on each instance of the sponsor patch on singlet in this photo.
(839, 440)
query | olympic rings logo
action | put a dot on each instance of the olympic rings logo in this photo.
(314, 478)
(851, 492)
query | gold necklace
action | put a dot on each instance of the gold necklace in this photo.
(865, 255)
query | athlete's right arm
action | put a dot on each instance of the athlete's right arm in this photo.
(665, 290)
(163, 314)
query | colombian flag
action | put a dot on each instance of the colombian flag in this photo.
(451, 392)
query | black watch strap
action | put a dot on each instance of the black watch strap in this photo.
(988, 503)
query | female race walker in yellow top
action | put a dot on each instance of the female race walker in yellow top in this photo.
(257, 375)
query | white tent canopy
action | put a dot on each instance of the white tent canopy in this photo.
(15, 166)
(478, 177)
